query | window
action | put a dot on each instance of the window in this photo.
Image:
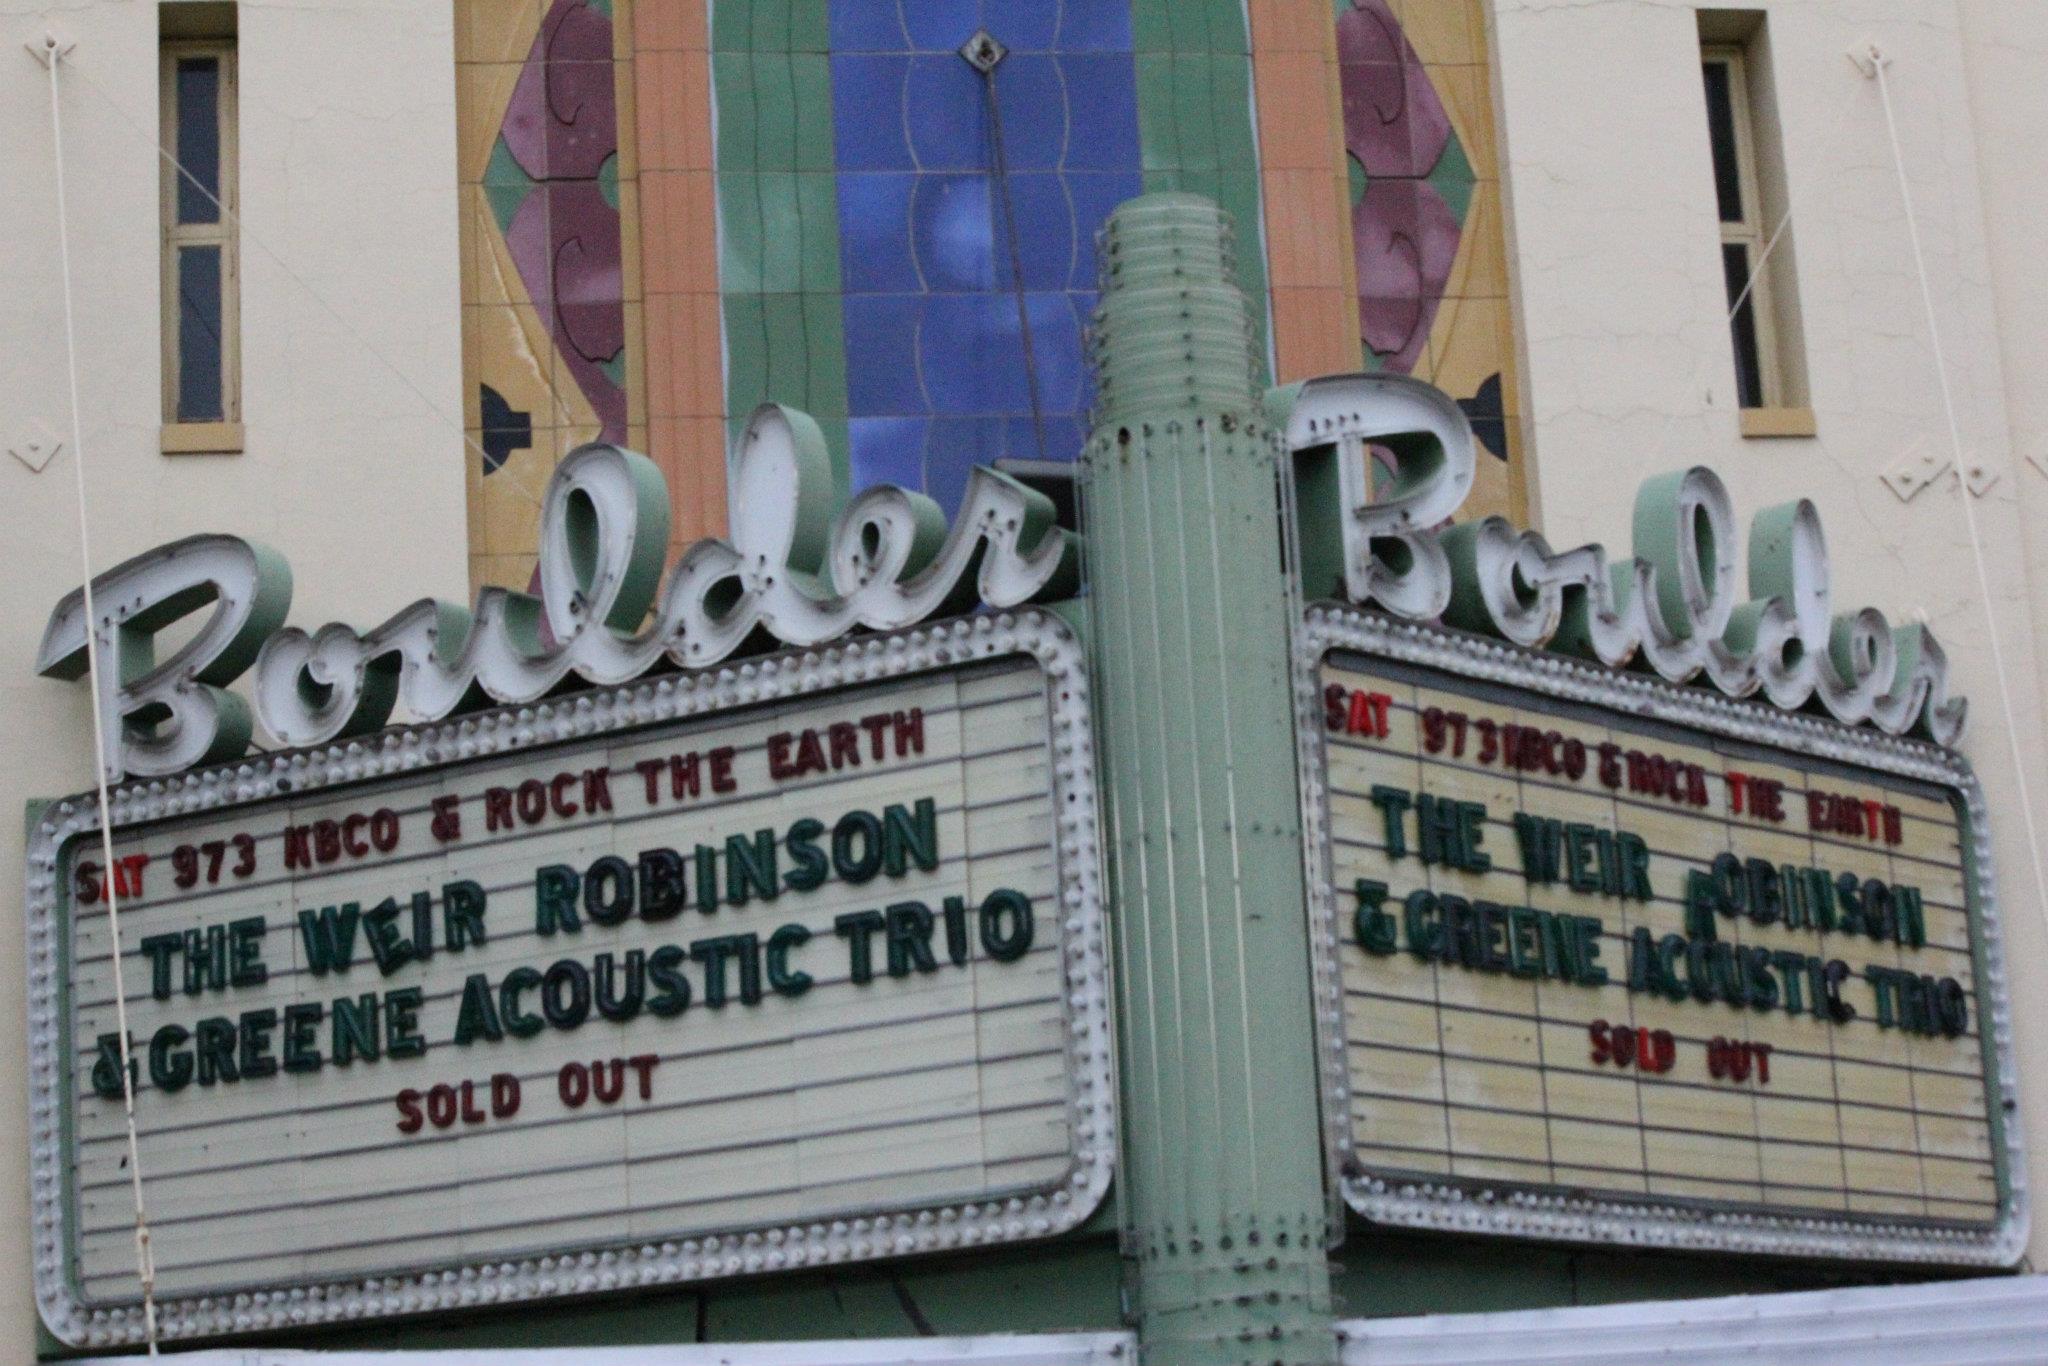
(1756, 255)
(1744, 234)
(201, 274)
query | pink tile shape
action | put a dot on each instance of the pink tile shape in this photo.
(1405, 240)
(561, 126)
(562, 120)
(1395, 124)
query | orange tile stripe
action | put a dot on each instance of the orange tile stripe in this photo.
(685, 366)
(1305, 189)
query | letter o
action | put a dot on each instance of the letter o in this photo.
(565, 994)
(868, 829)
(532, 800)
(608, 891)
(1952, 1005)
(1006, 945)
(1878, 913)
(573, 1081)
(441, 1105)
(1730, 884)
(384, 829)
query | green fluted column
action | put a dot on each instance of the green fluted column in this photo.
(1222, 1172)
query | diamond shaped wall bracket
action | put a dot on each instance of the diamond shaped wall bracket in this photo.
(34, 448)
(54, 47)
(1920, 467)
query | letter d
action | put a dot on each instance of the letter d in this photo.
(504, 1095)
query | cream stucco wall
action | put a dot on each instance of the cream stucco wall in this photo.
(1629, 365)
(347, 159)
(2005, 53)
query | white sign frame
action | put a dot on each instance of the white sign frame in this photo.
(1031, 633)
(1555, 1215)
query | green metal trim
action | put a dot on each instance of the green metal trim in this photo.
(1223, 1197)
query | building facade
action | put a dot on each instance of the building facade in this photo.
(355, 280)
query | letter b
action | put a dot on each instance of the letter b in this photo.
(196, 719)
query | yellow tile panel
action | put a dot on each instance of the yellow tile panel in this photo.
(482, 90)
(1467, 93)
(1480, 270)
(1443, 32)
(496, 30)
(1599, 1180)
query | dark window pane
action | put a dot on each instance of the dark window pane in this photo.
(1721, 132)
(198, 148)
(199, 357)
(1749, 367)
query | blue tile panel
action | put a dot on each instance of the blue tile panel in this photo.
(936, 375)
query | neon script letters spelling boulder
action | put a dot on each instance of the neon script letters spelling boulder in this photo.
(1672, 609)
(798, 570)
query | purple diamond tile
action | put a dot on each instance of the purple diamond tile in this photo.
(561, 127)
(1405, 239)
(1394, 122)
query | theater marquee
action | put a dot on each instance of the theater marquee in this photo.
(787, 964)
(1616, 961)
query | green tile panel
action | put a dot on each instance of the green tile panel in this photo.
(1195, 121)
(778, 212)
(732, 83)
(774, 112)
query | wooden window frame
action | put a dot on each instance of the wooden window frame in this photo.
(1751, 231)
(225, 434)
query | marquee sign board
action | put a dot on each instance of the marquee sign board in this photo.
(735, 962)
(794, 962)
(1617, 961)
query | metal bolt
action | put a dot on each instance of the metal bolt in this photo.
(983, 52)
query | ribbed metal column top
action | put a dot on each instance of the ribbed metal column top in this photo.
(1173, 331)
